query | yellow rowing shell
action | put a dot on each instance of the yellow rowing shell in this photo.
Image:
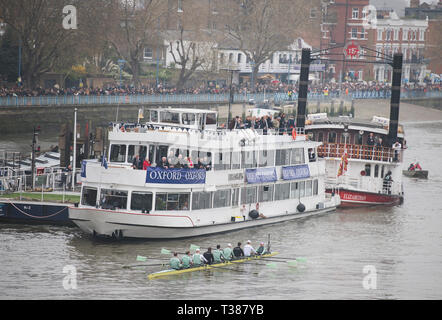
(171, 272)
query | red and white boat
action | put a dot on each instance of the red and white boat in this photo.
(361, 173)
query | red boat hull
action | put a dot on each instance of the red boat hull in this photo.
(352, 199)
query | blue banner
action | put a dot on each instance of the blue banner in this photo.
(296, 172)
(83, 169)
(175, 176)
(261, 175)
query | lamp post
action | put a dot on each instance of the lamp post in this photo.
(74, 160)
(230, 93)
(121, 63)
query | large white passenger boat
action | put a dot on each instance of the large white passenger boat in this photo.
(200, 180)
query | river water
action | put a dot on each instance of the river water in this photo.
(399, 248)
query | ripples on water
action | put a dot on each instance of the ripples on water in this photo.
(403, 243)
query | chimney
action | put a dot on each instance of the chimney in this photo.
(395, 98)
(303, 88)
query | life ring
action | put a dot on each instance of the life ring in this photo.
(294, 133)
(363, 173)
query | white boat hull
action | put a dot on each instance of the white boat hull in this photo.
(99, 222)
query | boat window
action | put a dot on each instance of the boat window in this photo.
(169, 117)
(301, 189)
(332, 137)
(308, 188)
(282, 157)
(315, 187)
(376, 170)
(294, 190)
(201, 200)
(382, 171)
(153, 116)
(178, 156)
(282, 191)
(311, 155)
(134, 150)
(141, 201)
(297, 156)
(221, 198)
(222, 161)
(161, 151)
(89, 196)
(113, 199)
(359, 137)
(248, 159)
(235, 197)
(236, 160)
(211, 118)
(266, 158)
(265, 193)
(248, 195)
(118, 153)
(367, 170)
(320, 136)
(172, 201)
(188, 118)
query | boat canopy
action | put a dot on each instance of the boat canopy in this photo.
(182, 117)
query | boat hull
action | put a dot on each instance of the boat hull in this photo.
(120, 225)
(422, 174)
(354, 198)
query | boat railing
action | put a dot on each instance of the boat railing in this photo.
(142, 128)
(362, 152)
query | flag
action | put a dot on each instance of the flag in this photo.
(344, 162)
(104, 162)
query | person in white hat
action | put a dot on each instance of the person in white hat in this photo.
(248, 249)
(198, 258)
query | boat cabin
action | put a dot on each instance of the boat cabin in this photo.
(183, 118)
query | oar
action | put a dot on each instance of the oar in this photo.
(225, 268)
(144, 265)
(299, 259)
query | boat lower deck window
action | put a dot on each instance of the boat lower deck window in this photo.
(367, 170)
(282, 191)
(113, 199)
(118, 153)
(315, 187)
(201, 200)
(172, 201)
(248, 195)
(141, 201)
(265, 193)
(221, 198)
(308, 188)
(89, 196)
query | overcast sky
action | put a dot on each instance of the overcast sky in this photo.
(397, 5)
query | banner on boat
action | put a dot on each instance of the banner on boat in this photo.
(295, 172)
(261, 175)
(175, 176)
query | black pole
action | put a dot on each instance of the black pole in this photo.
(230, 98)
(303, 88)
(395, 98)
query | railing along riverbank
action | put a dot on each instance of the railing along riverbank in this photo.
(204, 98)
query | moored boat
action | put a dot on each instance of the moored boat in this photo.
(199, 179)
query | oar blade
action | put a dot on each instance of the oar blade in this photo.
(165, 251)
(141, 258)
(271, 265)
(193, 247)
(292, 263)
(300, 259)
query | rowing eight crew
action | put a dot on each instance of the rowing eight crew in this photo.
(216, 256)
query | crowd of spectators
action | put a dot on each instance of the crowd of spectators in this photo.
(272, 87)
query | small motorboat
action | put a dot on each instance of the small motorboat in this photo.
(421, 174)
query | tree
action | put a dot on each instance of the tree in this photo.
(132, 25)
(262, 27)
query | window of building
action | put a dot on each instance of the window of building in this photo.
(248, 195)
(396, 34)
(201, 200)
(118, 153)
(221, 59)
(404, 34)
(422, 35)
(172, 201)
(379, 34)
(282, 191)
(355, 13)
(354, 33)
(147, 53)
(239, 57)
(89, 196)
(113, 199)
(141, 201)
(362, 33)
(230, 57)
(221, 198)
(313, 13)
(180, 6)
(265, 193)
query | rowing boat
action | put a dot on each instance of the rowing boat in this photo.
(416, 173)
(170, 272)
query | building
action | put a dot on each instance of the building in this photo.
(424, 10)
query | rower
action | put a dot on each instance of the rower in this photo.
(261, 250)
(237, 251)
(186, 260)
(209, 256)
(248, 249)
(175, 262)
(228, 253)
(198, 258)
(218, 255)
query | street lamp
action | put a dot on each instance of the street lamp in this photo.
(230, 92)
